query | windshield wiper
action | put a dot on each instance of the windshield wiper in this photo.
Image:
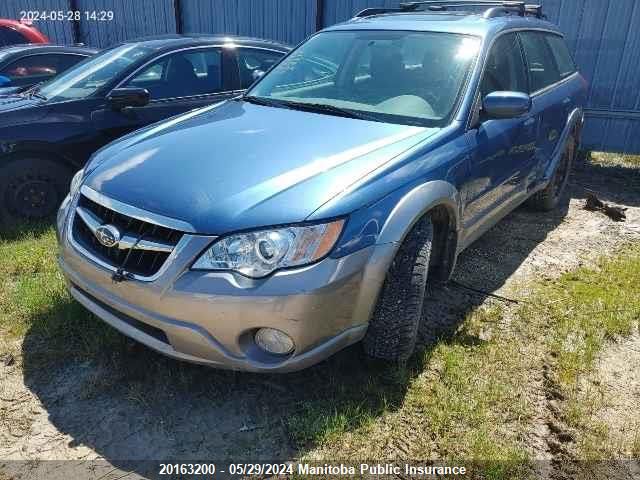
(37, 95)
(259, 101)
(310, 107)
(33, 92)
(330, 109)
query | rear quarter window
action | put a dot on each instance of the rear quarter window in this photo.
(560, 51)
(541, 62)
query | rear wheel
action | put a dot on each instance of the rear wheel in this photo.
(549, 198)
(393, 328)
(31, 189)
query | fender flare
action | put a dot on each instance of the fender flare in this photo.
(576, 118)
(411, 208)
(415, 204)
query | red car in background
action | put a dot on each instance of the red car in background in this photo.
(13, 32)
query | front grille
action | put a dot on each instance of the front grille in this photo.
(142, 262)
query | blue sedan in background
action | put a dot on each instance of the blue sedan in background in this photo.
(49, 132)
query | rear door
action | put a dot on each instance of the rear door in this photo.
(504, 148)
(552, 99)
(177, 82)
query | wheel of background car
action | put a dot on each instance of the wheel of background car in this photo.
(549, 198)
(393, 328)
(31, 189)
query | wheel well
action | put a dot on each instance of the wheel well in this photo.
(54, 157)
(444, 246)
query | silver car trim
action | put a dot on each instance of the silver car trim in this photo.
(137, 213)
(176, 251)
(127, 242)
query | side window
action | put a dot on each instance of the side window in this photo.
(504, 70)
(65, 62)
(542, 65)
(182, 74)
(252, 61)
(36, 68)
(8, 36)
(561, 55)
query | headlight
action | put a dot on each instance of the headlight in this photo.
(75, 182)
(257, 254)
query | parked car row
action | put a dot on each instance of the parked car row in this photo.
(267, 230)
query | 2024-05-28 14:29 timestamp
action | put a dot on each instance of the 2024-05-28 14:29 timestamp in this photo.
(66, 15)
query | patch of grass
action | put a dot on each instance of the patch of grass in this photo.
(34, 299)
(588, 307)
(615, 159)
(467, 398)
(585, 309)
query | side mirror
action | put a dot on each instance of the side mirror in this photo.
(120, 98)
(506, 104)
(5, 81)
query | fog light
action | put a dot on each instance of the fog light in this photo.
(274, 341)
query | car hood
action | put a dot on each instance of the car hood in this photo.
(238, 165)
(4, 91)
(12, 102)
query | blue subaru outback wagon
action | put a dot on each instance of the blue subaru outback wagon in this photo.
(269, 231)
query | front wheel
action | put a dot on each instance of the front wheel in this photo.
(31, 189)
(393, 328)
(549, 198)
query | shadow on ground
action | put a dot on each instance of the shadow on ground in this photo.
(129, 403)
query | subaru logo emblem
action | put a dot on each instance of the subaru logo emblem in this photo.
(108, 235)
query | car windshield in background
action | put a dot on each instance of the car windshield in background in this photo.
(5, 53)
(88, 76)
(412, 78)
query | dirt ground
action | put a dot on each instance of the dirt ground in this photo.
(144, 406)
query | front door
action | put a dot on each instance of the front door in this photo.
(504, 148)
(177, 83)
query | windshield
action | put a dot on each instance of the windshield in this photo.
(411, 78)
(89, 75)
(6, 53)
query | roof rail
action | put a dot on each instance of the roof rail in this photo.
(495, 8)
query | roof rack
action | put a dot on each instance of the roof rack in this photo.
(495, 8)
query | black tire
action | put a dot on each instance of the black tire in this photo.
(549, 198)
(393, 328)
(31, 189)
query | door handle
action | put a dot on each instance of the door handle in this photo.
(530, 121)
